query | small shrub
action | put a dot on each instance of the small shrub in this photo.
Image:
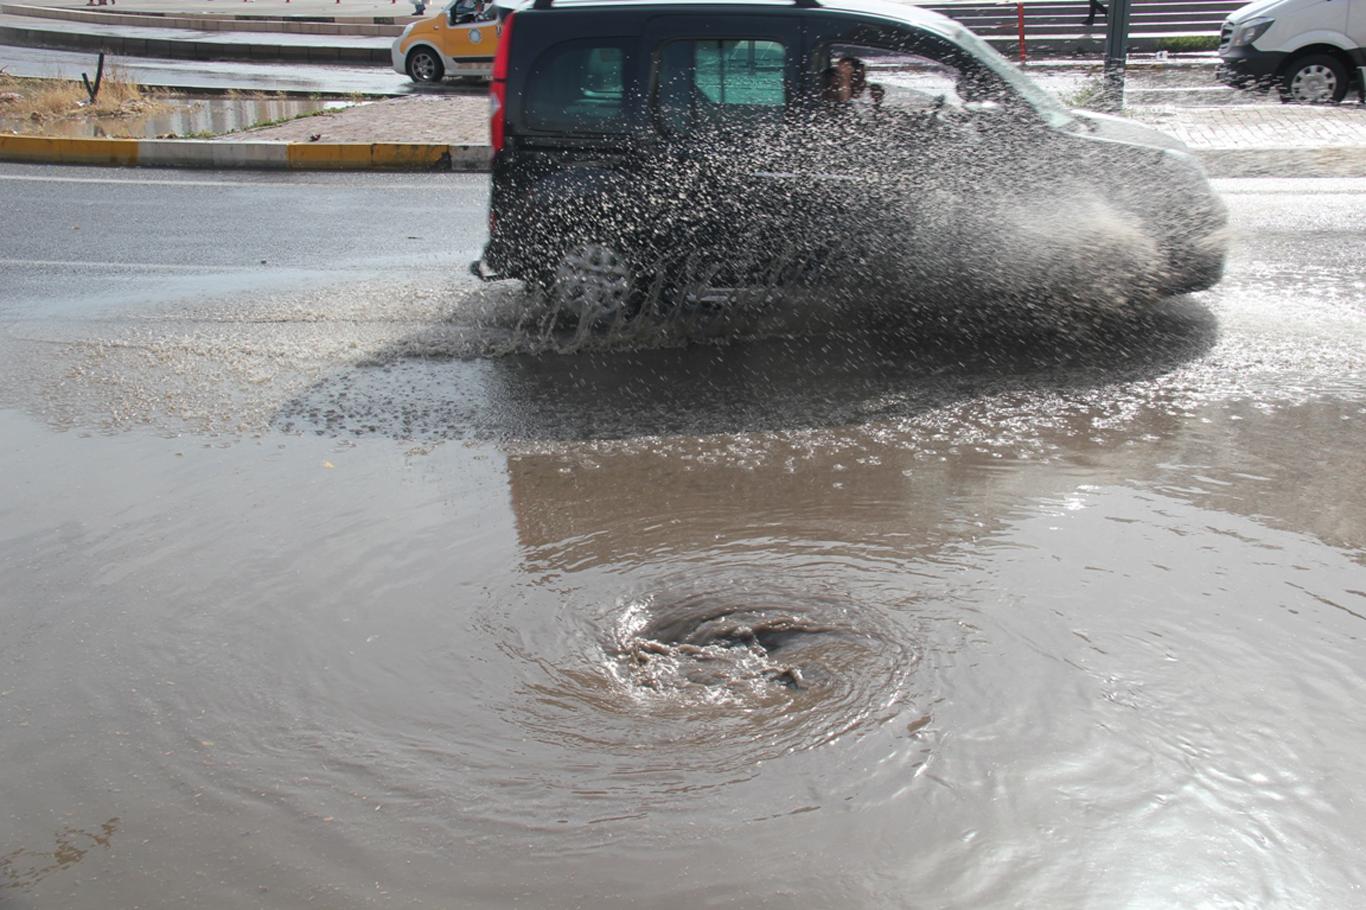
(1188, 44)
(60, 97)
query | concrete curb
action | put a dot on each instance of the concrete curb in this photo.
(204, 23)
(191, 153)
(1342, 161)
(54, 37)
(1347, 161)
(62, 31)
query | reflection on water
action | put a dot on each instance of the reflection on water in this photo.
(170, 116)
(1117, 667)
(755, 385)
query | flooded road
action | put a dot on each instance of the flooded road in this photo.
(327, 589)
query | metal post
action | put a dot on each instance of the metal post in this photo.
(1019, 19)
(94, 90)
(1116, 52)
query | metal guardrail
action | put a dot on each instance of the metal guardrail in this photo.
(1070, 18)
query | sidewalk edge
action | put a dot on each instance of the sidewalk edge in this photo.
(202, 153)
(1324, 161)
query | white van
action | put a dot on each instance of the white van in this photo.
(1308, 50)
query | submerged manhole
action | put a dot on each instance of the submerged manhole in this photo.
(698, 644)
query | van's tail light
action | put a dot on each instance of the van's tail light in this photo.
(498, 88)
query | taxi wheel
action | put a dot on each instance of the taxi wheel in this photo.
(425, 66)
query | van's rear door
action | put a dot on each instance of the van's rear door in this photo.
(722, 88)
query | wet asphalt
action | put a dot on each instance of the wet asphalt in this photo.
(80, 234)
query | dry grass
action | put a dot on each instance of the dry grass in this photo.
(250, 95)
(41, 100)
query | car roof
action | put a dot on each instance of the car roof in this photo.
(895, 10)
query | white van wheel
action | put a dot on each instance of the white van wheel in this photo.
(425, 66)
(1315, 79)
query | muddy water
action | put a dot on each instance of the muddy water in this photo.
(351, 600)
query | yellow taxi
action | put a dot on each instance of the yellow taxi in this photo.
(458, 40)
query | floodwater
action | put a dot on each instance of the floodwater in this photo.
(342, 598)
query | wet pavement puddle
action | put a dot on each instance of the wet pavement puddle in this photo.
(336, 599)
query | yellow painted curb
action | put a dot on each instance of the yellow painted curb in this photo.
(392, 155)
(69, 151)
(333, 156)
(360, 155)
(329, 155)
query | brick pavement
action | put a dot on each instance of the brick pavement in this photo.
(452, 119)
(1260, 126)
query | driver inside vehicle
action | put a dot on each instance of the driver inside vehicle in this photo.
(854, 74)
(471, 11)
(911, 82)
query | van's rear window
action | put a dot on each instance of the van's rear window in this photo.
(578, 87)
(707, 82)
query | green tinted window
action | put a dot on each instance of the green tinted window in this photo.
(578, 87)
(720, 82)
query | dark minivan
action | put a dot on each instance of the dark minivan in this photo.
(642, 149)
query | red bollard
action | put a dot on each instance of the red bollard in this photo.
(1019, 19)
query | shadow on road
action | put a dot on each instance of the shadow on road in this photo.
(781, 377)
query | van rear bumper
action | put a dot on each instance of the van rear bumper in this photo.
(480, 269)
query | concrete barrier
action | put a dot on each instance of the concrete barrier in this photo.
(202, 46)
(69, 151)
(201, 153)
(1344, 161)
(204, 23)
(1347, 161)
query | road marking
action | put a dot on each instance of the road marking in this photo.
(1289, 186)
(425, 187)
(97, 264)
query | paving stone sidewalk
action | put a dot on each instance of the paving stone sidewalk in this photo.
(449, 119)
(462, 119)
(1260, 126)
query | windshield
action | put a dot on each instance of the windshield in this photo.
(1049, 108)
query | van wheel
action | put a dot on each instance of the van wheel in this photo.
(592, 284)
(425, 66)
(1314, 79)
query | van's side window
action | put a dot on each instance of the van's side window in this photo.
(578, 87)
(706, 82)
